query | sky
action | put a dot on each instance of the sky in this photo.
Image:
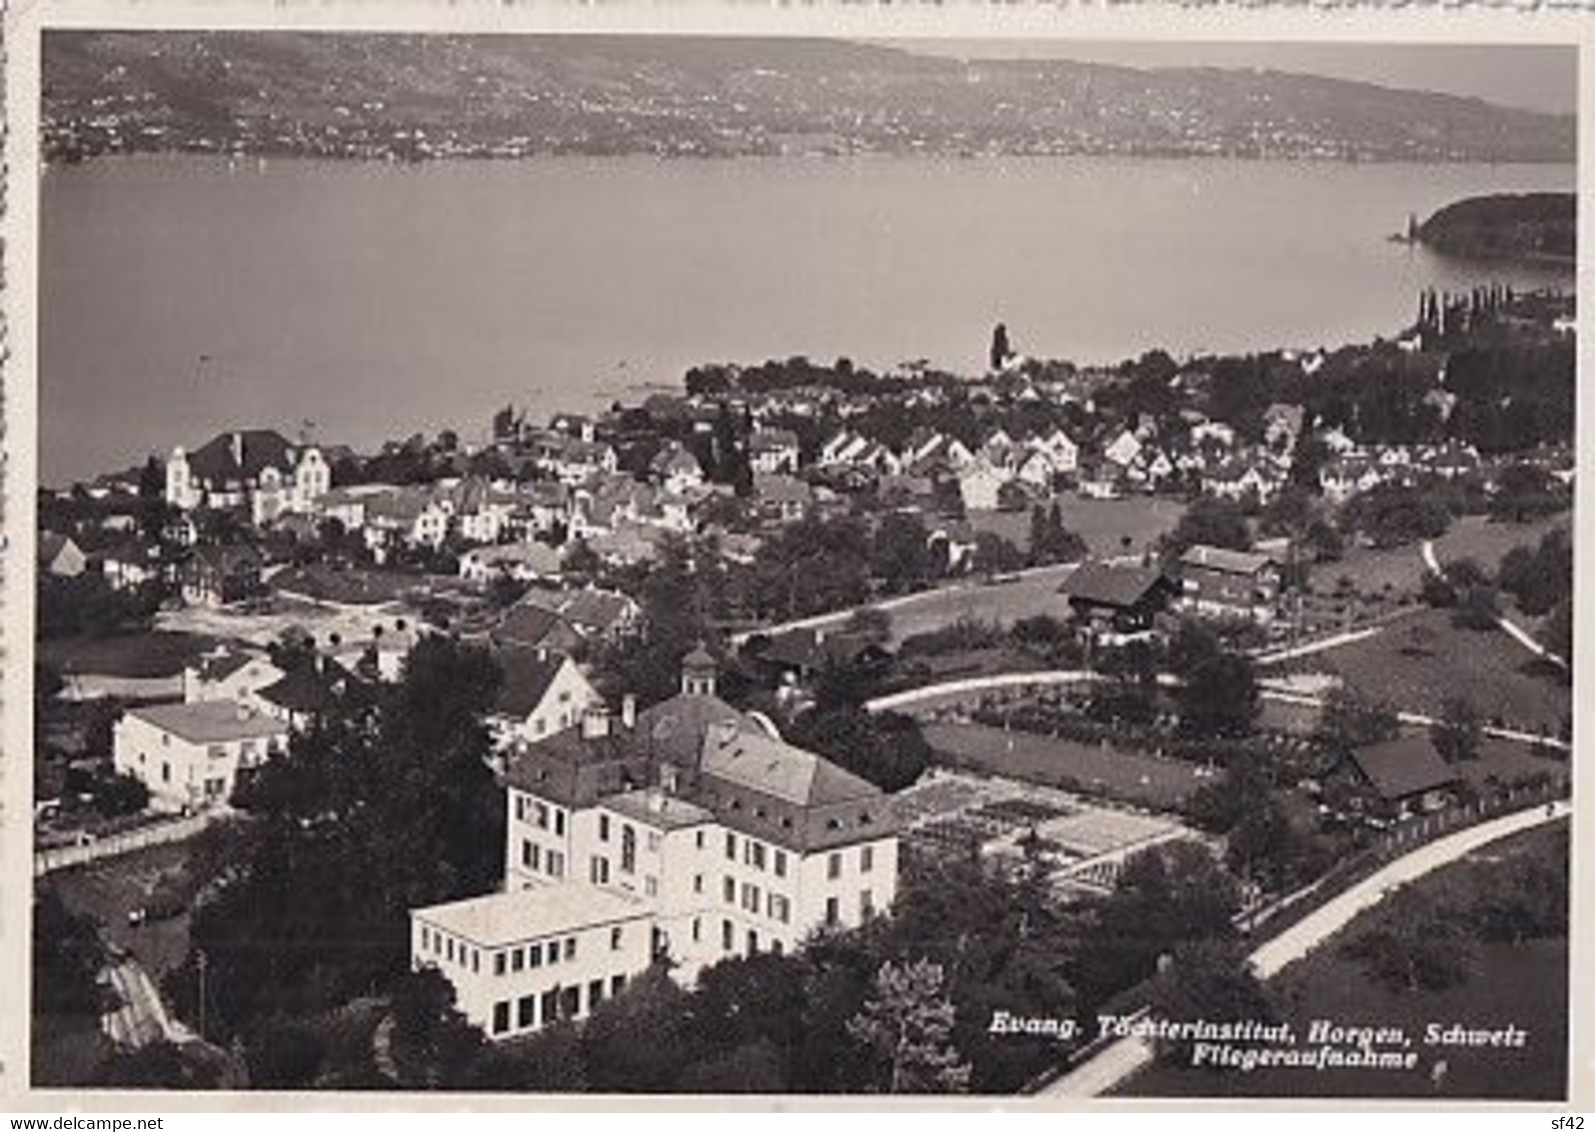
(1530, 77)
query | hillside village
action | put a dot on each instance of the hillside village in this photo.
(751, 659)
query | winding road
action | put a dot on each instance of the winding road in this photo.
(1117, 1061)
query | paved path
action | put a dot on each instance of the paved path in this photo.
(1510, 627)
(1350, 637)
(1119, 1060)
(141, 1016)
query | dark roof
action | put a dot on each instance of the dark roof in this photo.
(528, 625)
(812, 649)
(1105, 583)
(229, 559)
(1400, 768)
(309, 688)
(1225, 560)
(261, 448)
(528, 673)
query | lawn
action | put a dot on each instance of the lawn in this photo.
(1524, 985)
(1103, 523)
(1161, 784)
(1418, 662)
(348, 587)
(1034, 593)
(1487, 541)
(156, 654)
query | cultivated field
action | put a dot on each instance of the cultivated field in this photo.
(1161, 784)
(128, 655)
(1401, 568)
(1103, 523)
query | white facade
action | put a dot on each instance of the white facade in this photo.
(190, 755)
(520, 960)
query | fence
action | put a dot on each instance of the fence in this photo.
(113, 845)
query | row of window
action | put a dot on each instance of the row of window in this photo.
(776, 906)
(598, 873)
(532, 1011)
(540, 814)
(728, 939)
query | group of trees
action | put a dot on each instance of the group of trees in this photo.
(1050, 540)
(88, 605)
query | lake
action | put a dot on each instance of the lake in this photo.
(181, 296)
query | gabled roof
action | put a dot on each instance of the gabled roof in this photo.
(211, 721)
(260, 448)
(770, 766)
(1106, 583)
(309, 688)
(528, 674)
(228, 559)
(1400, 768)
(597, 609)
(1225, 560)
(50, 545)
(529, 625)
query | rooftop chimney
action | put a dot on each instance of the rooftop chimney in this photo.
(628, 711)
(238, 448)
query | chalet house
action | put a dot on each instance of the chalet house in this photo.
(781, 499)
(58, 556)
(675, 469)
(527, 625)
(228, 674)
(254, 469)
(1037, 469)
(1124, 449)
(522, 562)
(1228, 584)
(409, 515)
(543, 693)
(979, 485)
(222, 575)
(797, 656)
(842, 448)
(307, 692)
(572, 460)
(1405, 773)
(540, 507)
(935, 451)
(1113, 604)
(1347, 476)
(1060, 447)
(773, 451)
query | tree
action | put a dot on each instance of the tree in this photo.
(1349, 720)
(1220, 697)
(887, 749)
(1477, 608)
(1207, 980)
(121, 794)
(67, 957)
(433, 1045)
(872, 623)
(617, 1062)
(900, 555)
(1457, 732)
(1418, 945)
(1210, 521)
(905, 1026)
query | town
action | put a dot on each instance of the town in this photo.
(769, 713)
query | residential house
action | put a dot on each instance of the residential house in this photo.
(676, 470)
(59, 556)
(191, 755)
(690, 831)
(307, 692)
(230, 674)
(1282, 427)
(521, 562)
(1241, 477)
(773, 451)
(1225, 584)
(1124, 449)
(1036, 468)
(780, 498)
(131, 564)
(1114, 604)
(1060, 447)
(1343, 477)
(980, 485)
(542, 693)
(1406, 773)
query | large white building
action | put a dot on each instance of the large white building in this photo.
(191, 754)
(725, 840)
(253, 468)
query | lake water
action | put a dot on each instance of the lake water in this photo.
(181, 297)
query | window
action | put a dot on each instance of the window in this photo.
(780, 863)
(551, 952)
(753, 942)
(731, 847)
(499, 962)
(653, 841)
(570, 1003)
(756, 854)
(556, 863)
(866, 858)
(750, 898)
(476, 961)
(549, 1005)
(730, 891)
(699, 839)
(166, 772)
(727, 935)
(600, 870)
(603, 827)
(614, 939)
(501, 1017)
(776, 947)
(540, 725)
(540, 813)
(559, 823)
(780, 908)
(526, 1013)
(866, 904)
(833, 866)
(517, 959)
(650, 886)
(448, 950)
(595, 994)
(570, 949)
(628, 850)
(520, 807)
(426, 938)
(526, 854)
(697, 930)
(832, 912)
(534, 955)
(697, 883)
(616, 985)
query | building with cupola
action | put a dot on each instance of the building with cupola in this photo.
(690, 832)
